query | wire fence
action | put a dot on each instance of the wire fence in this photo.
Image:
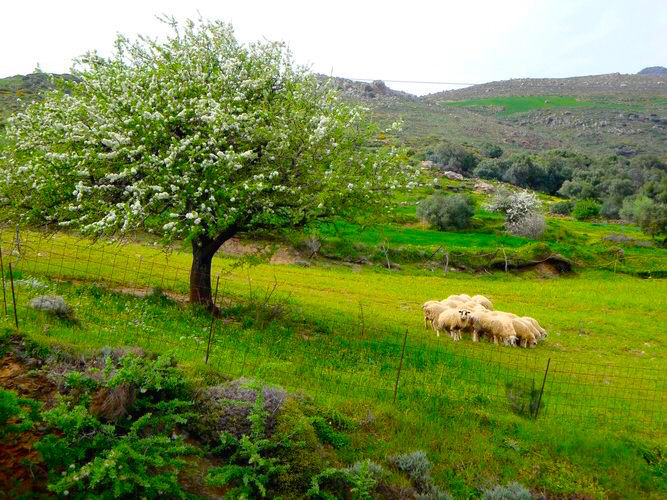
(327, 355)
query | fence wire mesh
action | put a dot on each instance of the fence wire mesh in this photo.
(348, 358)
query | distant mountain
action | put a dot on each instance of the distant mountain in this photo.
(594, 85)
(654, 70)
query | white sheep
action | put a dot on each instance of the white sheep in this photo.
(542, 333)
(427, 319)
(480, 299)
(453, 321)
(524, 332)
(431, 313)
(498, 328)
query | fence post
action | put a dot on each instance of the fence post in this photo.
(505, 257)
(446, 262)
(539, 400)
(213, 314)
(2, 271)
(11, 279)
(400, 365)
(362, 322)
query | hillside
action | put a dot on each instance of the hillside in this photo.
(598, 115)
(654, 70)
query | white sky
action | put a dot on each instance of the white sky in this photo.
(453, 41)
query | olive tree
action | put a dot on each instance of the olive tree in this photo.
(196, 137)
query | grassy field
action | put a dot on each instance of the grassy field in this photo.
(506, 106)
(605, 344)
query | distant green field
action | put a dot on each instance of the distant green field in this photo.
(523, 104)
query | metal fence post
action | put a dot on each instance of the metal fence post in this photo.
(11, 279)
(400, 365)
(539, 400)
(213, 314)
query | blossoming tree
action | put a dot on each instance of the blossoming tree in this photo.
(195, 138)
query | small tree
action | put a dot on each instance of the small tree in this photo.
(196, 138)
(447, 212)
(523, 213)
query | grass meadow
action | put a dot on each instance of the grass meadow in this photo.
(336, 332)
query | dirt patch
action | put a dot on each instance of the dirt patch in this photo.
(282, 255)
(21, 472)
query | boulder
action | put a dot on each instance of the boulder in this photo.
(484, 187)
(51, 304)
(455, 176)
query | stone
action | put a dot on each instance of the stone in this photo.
(484, 187)
(453, 175)
(51, 304)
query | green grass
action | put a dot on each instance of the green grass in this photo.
(451, 399)
(522, 104)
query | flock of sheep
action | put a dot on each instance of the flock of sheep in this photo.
(463, 313)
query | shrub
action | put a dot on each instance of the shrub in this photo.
(446, 213)
(531, 226)
(418, 468)
(16, 414)
(491, 150)
(522, 213)
(491, 169)
(360, 480)
(586, 209)
(562, 207)
(650, 215)
(513, 491)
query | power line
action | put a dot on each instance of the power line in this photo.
(406, 81)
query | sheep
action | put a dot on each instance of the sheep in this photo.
(431, 313)
(542, 333)
(480, 299)
(524, 332)
(427, 319)
(497, 327)
(453, 321)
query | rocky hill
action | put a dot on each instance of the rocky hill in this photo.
(614, 84)
(654, 70)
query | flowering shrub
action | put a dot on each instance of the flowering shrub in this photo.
(523, 216)
(196, 137)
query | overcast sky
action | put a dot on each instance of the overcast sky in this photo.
(441, 41)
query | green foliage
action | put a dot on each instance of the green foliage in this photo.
(134, 457)
(491, 150)
(251, 468)
(327, 434)
(586, 209)
(650, 215)
(493, 168)
(562, 207)
(447, 212)
(453, 157)
(359, 481)
(16, 414)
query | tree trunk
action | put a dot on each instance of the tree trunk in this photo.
(203, 250)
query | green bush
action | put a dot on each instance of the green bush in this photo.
(586, 209)
(562, 207)
(651, 216)
(446, 213)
